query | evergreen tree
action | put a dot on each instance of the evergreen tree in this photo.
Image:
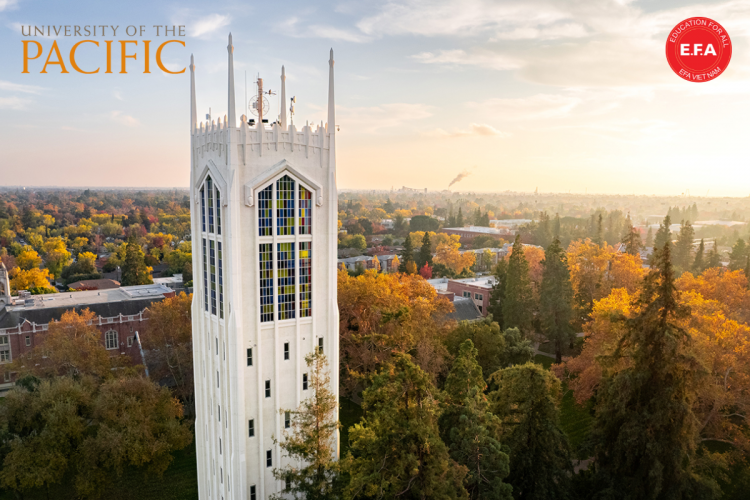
(714, 259)
(407, 255)
(497, 295)
(526, 402)
(632, 239)
(388, 206)
(396, 451)
(543, 235)
(645, 429)
(599, 237)
(698, 264)
(451, 221)
(556, 227)
(311, 440)
(517, 303)
(738, 255)
(471, 430)
(663, 238)
(425, 253)
(459, 218)
(478, 217)
(650, 237)
(134, 268)
(556, 296)
(684, 247)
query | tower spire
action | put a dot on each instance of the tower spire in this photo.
(331, 103)
(193, 111)
(231, 105)
(283, 99)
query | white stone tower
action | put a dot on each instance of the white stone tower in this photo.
(264, 226)
(4, 286)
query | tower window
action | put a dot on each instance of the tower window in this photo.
(220, 446)
(209, 190)
(285, 206)
(212, 256)
(285, 282)
(217, 345)
(269, 459)
(305, 211)
(251, 428)
(305, 279)
(219, 412)
(250, 357)
(304, 381)
(203, 209)
(286, 350)
(320, 345)
(268, 388)
(266, 282)
(205, 276)
(287, 419)
(265, 217)
(218, 212)
(221, 279)
(252, 493)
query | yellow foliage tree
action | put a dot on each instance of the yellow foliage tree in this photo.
(21, 279)
(28, 259)
(450, 256)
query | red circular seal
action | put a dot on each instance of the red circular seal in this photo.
(699, 49)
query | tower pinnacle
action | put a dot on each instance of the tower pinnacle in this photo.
(231, 108)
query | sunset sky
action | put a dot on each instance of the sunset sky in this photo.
(556, 95)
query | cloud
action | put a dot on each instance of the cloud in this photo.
(17, 87)
(475, 129)
(13, 103)
(461, 58)
(7, 4)
(203, 26)
(117, 94)
(374, 118)
(293, 28)
(123, 119)
(539, 106)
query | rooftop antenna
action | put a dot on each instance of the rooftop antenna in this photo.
(208, 115)
(259, 105)
(245, 85)
(292, 101)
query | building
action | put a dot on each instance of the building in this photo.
(474, 231)
(97, 284)
(121, 313)
(264, 225)
(477, 289)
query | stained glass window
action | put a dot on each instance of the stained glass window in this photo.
(285, 279)
(221, 279)
(305, 211)
(210, 191)
(218, 211)
(265, 218)
(305, 279)
(212, 256)
(285, 206)
(205, 275)
(203, 208)
(266, 282)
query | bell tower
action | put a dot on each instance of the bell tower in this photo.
(264, 224)
(4, 286)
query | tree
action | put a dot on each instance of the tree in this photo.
(425, 252)
(663, 237)
(28, 259)
(632, 239)
(169, 343)
(486, 336)
(134, 269)
(599, 235)
(684, 247)
(738, 255)
(426, 272)
(449, 255)
(396, 450)
(526, 402)
(650, 237)
(34, 280)
(423, 223)
(698, 263)
(555, 305)
(311, 440)
(407, 255)
(471, 430)
(713, 259)
(460, 218)
(56, 255)
(645, 429)
(517, 304)
(518, 349)
(497, 295)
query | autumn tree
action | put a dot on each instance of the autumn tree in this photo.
(396, 451)
(169, 343)
(632, 239)
(311, 440)
(645, 427)
(35, 280)
(449, 255)
(527, 403)
(56, 255)
(28, 259)
(518, 301)
(555, 307)
(134, 269)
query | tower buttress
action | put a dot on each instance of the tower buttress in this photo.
(283, 99)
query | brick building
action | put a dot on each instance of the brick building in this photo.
(24, 321)
(477, 289)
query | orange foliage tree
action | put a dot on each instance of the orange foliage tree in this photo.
(381, 314)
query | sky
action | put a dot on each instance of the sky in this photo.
(560, 96)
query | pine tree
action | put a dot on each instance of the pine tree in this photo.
(556, 227)
(650, 237)
(556, 296)
(396, 451)
(451, 221)
(471, 430)
(134, 268)
(698, 265)
(663, 238)
(425, 253)
(684, 247)
(738, 255)
(714, 259)
(497, 295)
(526, 402)
(645, 429)
(407, 255)
(632, 239)
(311, 440)
(517, 303)
(599, 237)
(459, 218)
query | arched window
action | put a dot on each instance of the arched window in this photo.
(212, 257)
(110, 340)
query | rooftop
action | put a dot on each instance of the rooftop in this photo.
(477, 229)
(73, 299)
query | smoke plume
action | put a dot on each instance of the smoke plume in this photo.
(459, 177)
